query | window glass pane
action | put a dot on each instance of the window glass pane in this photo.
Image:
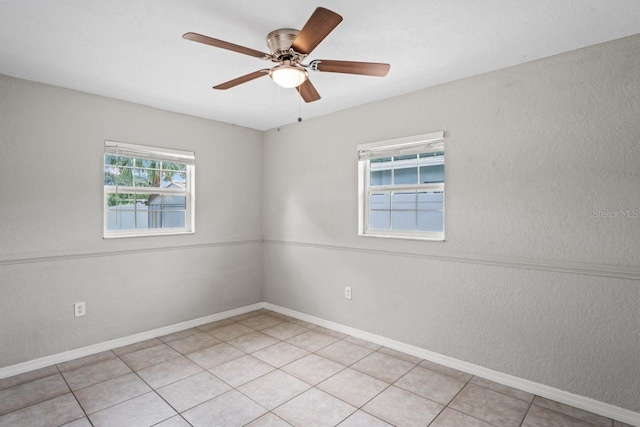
(405, 176)
(124, 176)
(175, 202)
(405, 169)
(126, 201)
(380, 171)
(144, 177)
(381, 177)
(154, 202)
(109, 159)
(142, 201)
(120, 220)
(430, 201)
(109, 175)
(399, 159)
(142, 219)
(125, 161)
(111, 219)
(173, 179)
(154, 219)
(404, 220)
(434, 154)
(174, 219)
(431, 221)
(173, 166)
(404, 201)
(112, 199)
(379, 201)
(380, 220)
(434, 173)
(147, 164)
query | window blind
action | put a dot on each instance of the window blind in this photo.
(148, 152)
(431, 143)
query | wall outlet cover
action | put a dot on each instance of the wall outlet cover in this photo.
(79, 309)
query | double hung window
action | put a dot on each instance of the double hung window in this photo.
(147, 190)
(401, 186)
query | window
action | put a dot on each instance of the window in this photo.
(401, 188)
(148, 191)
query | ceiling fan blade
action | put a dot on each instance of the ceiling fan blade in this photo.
(350, 67)
(224, 45)
(319, 25)
(243, 79)
(308, 91)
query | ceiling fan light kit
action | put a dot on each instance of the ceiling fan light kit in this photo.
(289, 48)
(289, 76)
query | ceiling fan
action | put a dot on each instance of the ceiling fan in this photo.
(289, 48)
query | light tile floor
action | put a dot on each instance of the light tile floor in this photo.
(264, 369)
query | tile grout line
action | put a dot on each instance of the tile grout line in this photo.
(153, 390)
(570, 416)
(499, 392)
(342, 370)
(116, 356)
(74, 396)
(453, 398)
(28, 382)
(132, 371)
(279, 369)
(527, 412)
(245, 354)
(358, 408)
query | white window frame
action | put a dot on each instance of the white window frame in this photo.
(152, 153)
(430, 142)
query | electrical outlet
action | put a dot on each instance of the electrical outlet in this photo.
(79, 309)
(347, 292)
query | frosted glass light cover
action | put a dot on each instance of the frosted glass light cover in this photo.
(288, 76)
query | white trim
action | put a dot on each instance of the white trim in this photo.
(63, 256)
(150, 232)
(590, 269)
(581, 402)
(409, 235)
(43, 362)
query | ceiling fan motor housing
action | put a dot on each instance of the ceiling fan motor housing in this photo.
(280, 41)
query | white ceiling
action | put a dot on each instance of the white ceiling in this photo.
(133, 50)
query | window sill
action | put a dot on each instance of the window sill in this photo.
(433, 238)
(154, 234)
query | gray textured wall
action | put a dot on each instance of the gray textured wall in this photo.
(51, 201)
(531, 152)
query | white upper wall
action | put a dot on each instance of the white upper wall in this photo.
(531, 152)
(51, 173)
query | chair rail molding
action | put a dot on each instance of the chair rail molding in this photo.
(571, 267)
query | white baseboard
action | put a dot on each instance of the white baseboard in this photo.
(581, 402)
(43, 362)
